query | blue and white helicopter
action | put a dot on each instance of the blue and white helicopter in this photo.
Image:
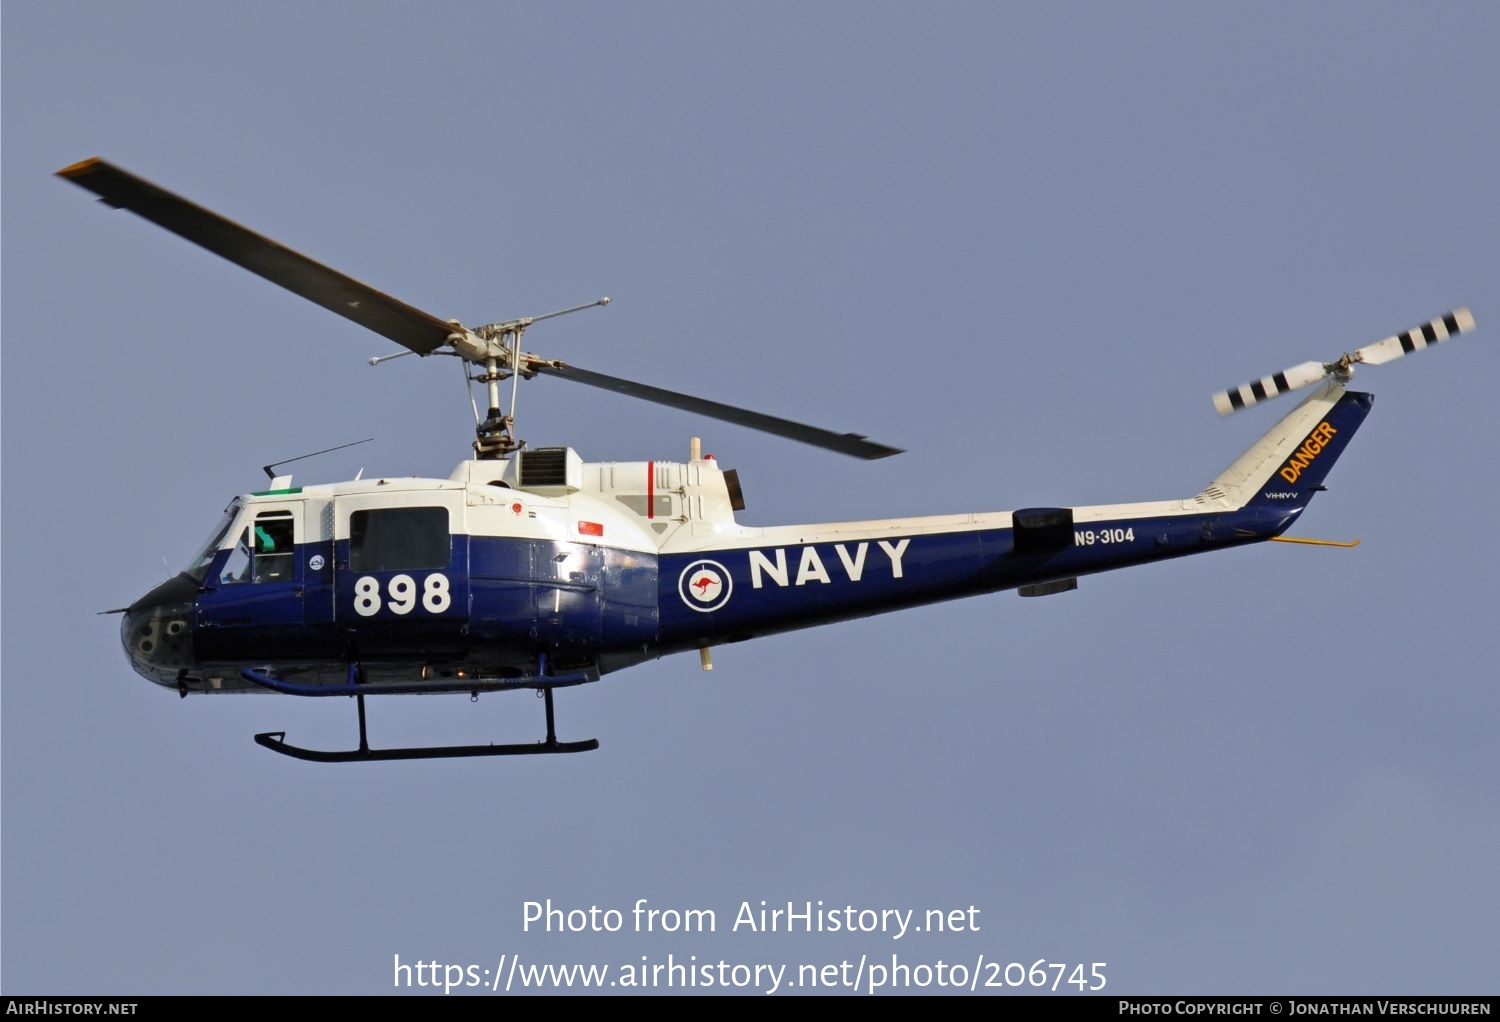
(529, 568)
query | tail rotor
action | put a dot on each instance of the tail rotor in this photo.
(1459, 321)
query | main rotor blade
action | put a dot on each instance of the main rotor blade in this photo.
(410, 327)
(845, 443)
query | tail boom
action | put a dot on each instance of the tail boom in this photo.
(762, 581)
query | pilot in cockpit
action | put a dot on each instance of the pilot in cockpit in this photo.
(273, 550)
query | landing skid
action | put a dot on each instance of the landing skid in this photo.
(276, 740)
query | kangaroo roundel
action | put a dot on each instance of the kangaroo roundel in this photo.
(705, 585)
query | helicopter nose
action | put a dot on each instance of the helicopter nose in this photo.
(157, 631)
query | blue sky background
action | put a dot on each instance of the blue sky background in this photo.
(1023, 241)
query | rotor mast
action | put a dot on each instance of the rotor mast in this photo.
(496, 347)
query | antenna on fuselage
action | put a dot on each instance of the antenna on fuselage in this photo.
(270, 474)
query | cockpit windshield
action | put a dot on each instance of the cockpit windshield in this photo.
(198, 568)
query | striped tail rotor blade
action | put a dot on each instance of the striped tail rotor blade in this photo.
(1459, 321)
(1267, 387)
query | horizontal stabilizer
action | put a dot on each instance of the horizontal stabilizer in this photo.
(1061, 585)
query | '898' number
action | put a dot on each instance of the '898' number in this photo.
(401, 595)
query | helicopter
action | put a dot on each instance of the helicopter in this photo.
(532, 569)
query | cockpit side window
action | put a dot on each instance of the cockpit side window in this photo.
(274, 547)
(265, 551)
(399, 539)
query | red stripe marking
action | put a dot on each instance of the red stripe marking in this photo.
(650, 489)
